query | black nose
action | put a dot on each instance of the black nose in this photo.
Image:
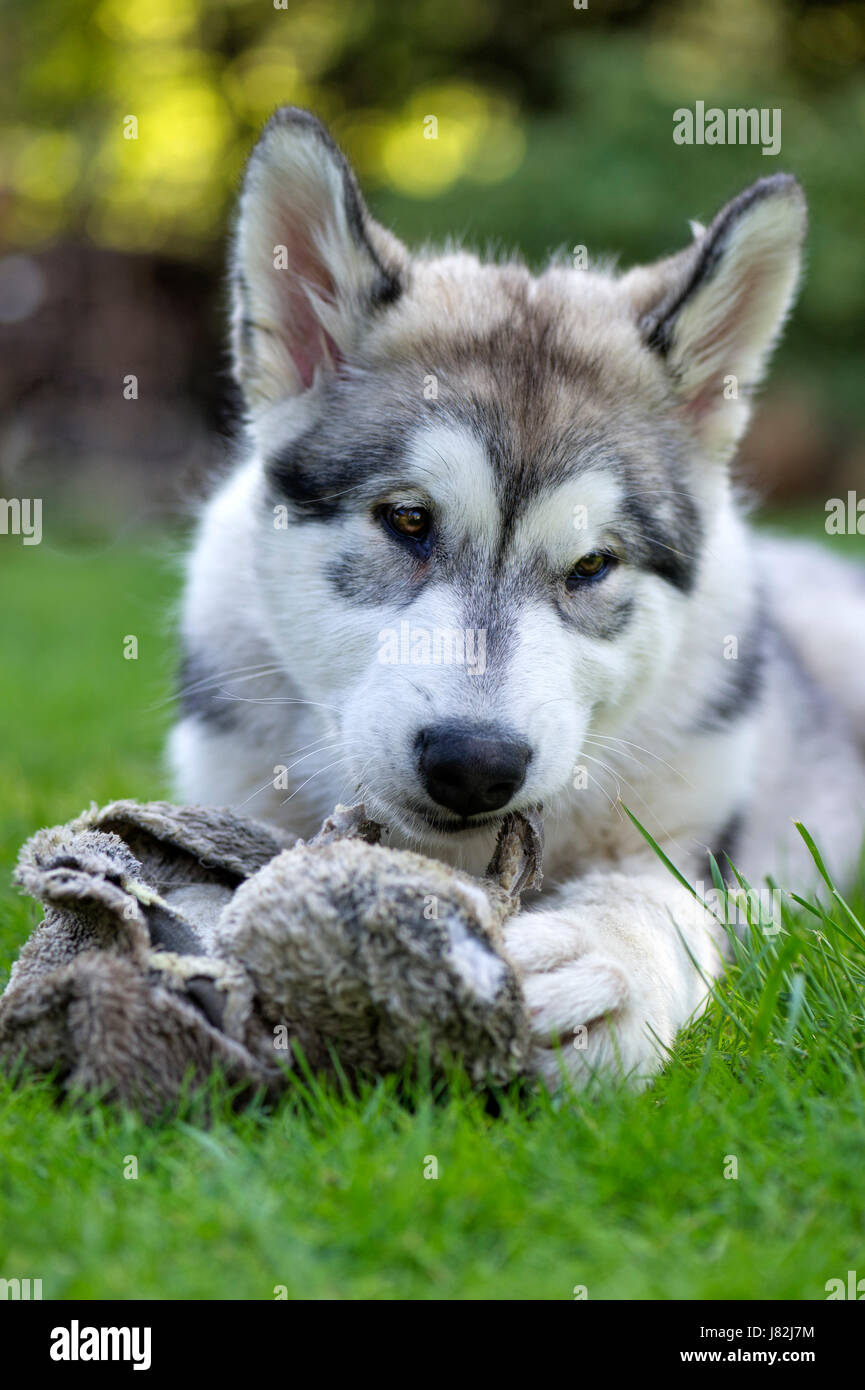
(471, 768)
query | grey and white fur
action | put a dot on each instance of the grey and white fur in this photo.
(543, 465)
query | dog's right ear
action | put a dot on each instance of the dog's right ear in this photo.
(310, 266)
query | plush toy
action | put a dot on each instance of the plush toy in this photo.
(179, 939)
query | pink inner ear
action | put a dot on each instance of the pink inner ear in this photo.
(707, 400)
(309, 345)
(723, 344)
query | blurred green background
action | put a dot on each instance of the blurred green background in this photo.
(554, 129)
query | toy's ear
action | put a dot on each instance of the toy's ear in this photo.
(715, 310)
(517, 861)
(310, 266)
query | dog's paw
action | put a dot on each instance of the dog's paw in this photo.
(590, 1010)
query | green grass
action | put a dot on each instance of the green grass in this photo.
(326, 1195)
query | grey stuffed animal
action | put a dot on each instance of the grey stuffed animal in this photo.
(361, 949)
(180, 939)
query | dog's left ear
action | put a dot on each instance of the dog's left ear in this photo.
(310, 266)
(715, 310)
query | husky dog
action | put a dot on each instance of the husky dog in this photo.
(483, 553)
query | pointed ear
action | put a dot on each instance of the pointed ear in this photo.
(714, 311)
(310, 267)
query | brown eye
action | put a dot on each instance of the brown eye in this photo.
(411, 522)
(592, 566)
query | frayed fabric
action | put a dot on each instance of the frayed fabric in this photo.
(178, 941)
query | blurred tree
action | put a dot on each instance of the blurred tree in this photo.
(199, 76)
(124, 125)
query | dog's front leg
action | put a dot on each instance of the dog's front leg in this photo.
(607, 972)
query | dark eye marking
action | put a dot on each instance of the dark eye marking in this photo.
(591, 568)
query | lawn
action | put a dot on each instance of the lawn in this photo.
(625, 1195)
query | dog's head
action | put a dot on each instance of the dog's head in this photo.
(485, 494)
